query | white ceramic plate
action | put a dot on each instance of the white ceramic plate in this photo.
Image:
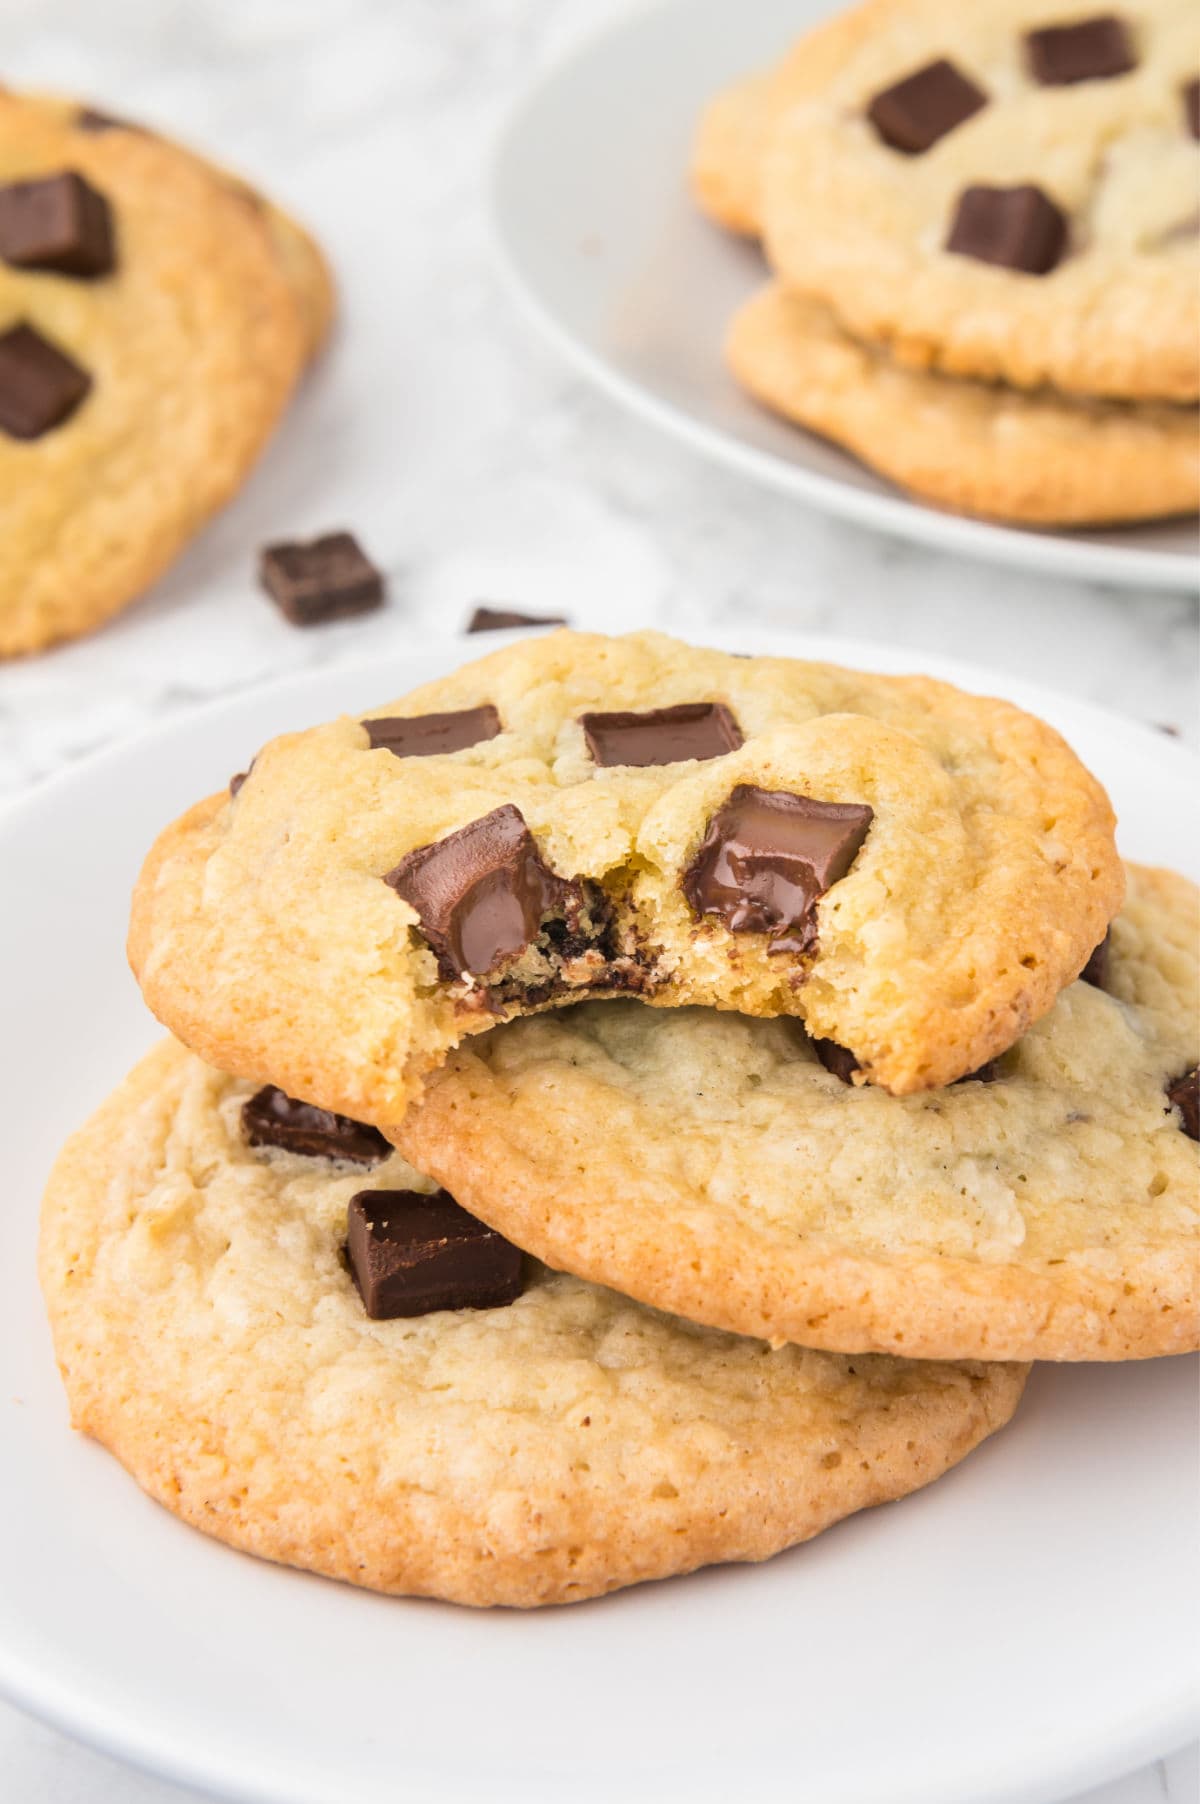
(1017, 1632)
(597, 229)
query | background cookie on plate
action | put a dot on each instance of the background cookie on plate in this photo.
(984, 448)
(729, 1169)
(914, 870)
(558, 1447)
(155, 316)
(1006, 190)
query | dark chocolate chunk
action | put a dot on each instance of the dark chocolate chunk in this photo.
(40, 386)
(838, 1059)
(410, 1254)
(987, 1073)
(1091, 50)
(662, 735)
(913, 114)
(1191, 106)
(481, 893)
(495, 620)
(327, 579)
(1184, 1094)
(91, 119)
(1095, 971)
(236, 781)
(767, 859)
(58, 223)
(425, 735)
(1018, 228)
(272, 1119)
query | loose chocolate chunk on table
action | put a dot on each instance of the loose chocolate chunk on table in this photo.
(1091, 50)
(426, 735)
(40, 386)
(1184, 1095)
(1017, 228)
(767, 859)
(1191, 106)
(410, 1254)
(495, 620)
(329, 578)
(271, 1118)
(914, 113)
(57, 223)
(1095, 971)
(662, 735)
(481, 893)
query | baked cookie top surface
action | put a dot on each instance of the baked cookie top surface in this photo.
(134, 396)
(1005, 453)
(714, 1166)
(323, 930)
(571, 1442)
(1075, 259)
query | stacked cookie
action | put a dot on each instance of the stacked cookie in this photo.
(984, 228)
(776, 1082)
(155, 317)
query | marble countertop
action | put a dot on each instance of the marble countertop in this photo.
(471, 464)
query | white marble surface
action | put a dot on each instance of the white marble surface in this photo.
(470, 464)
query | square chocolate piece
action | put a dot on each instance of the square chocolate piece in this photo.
(767, 859)
(40, 386)
(662, 735)
(272, 1118)
(482, 893)
(329, 578)
(1091, 50)
(913, 114)
(430, 735)
(58, 223)
(496, 620)
(1016, 228)
(411, 1254)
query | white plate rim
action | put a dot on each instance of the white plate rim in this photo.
(1051, 552)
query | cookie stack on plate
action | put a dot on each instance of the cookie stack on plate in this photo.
(983, 224)
(776, 1082)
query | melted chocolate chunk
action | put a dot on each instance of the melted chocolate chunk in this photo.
(838, 1059)
(1017, 228)
(1184, 1094)
(482, 893)
(57, 223)
(40, 386)
(410, 1254)
(913, 114)
(272, 1119)
(767, 859)
(495, 620)
(1092, 50)
(427, 735)
(1095, 971)
(662, 735)
(1191, 106)
(327, 579)
(987, 1073)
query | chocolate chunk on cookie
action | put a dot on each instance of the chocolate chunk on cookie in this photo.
(412, 1254)
(330, 578)
(1017, 228)
(768, 857)
(1090, 50)
(58, 223)
(40, 386)
(271, 1118)
(481, 893)
(914, 113)
(1184, 1094)
(428, 735)
(661, 735)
